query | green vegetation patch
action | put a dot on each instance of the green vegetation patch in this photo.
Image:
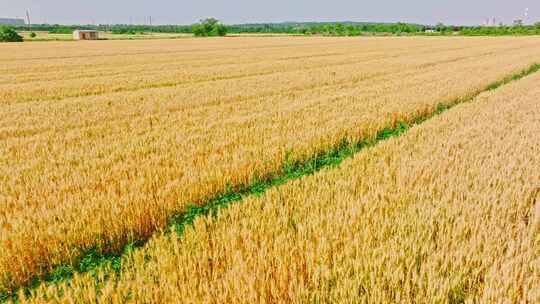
(9, 34)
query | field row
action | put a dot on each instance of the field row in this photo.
(108, 169)
(102, 75)
(447, 213)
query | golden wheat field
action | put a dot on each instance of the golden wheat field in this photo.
(102, 142)
(447, 213)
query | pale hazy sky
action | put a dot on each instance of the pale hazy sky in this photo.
(242, 11)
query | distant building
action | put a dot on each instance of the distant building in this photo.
(12, 21)
(518, 22)
(85, 35)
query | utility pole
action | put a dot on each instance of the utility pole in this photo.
(28, 20)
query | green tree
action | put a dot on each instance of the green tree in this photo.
(9, 34)
(339, 29)
(209, 27)
(33, 35)
(353, 31)
(440, 27)
(219, 30)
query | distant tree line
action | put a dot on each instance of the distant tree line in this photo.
(137, 29)
(114, 28)
(207, 27)
(343, 29)
(212, 27)
(327, 28)
(355, 29)
(502, 30)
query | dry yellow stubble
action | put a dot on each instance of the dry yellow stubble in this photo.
(447, 213)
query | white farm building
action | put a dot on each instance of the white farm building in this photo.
(85, 35)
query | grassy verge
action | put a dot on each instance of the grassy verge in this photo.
(93, 260)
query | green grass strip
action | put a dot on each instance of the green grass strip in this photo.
(93, 260)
